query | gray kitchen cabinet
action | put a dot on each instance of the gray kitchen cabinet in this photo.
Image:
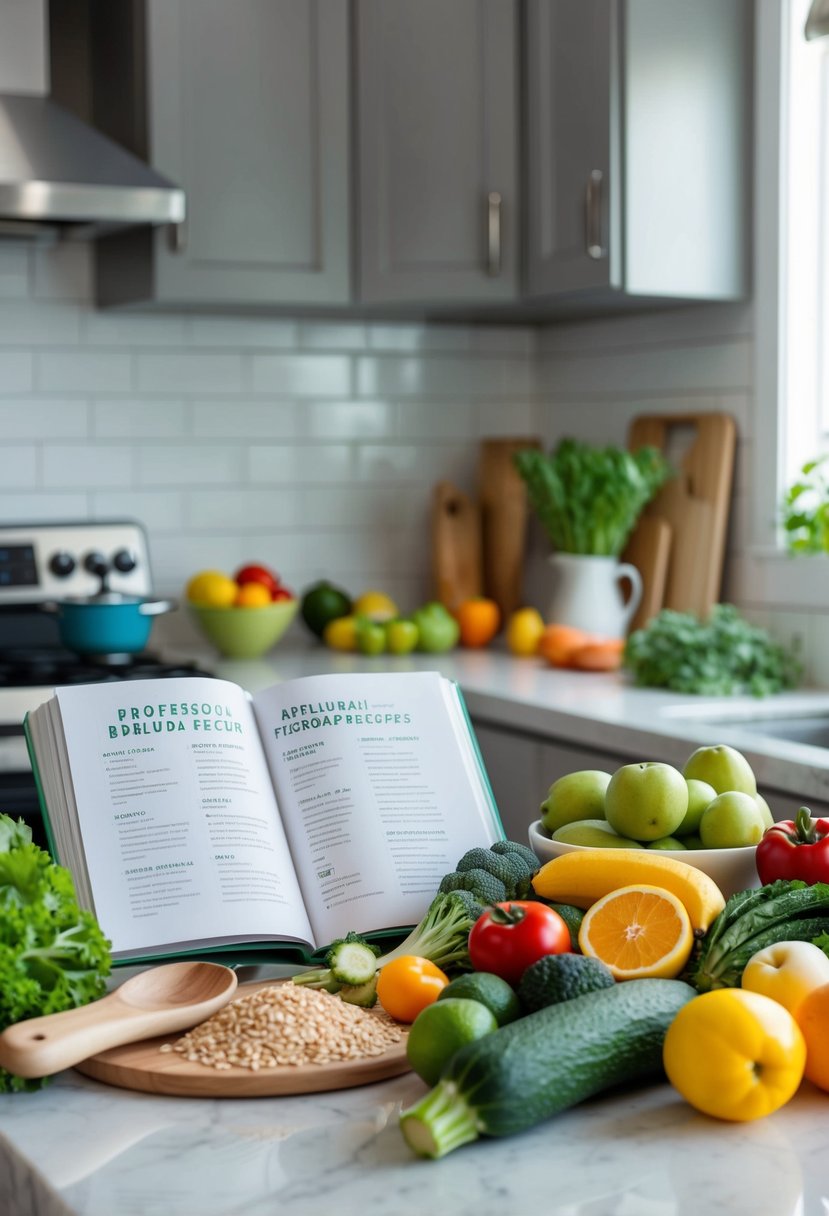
(438, 139)
(637, 150)
(246, 106)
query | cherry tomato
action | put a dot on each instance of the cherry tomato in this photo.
(282, 593)
(511, 936)
(257, 574)
(408, 984)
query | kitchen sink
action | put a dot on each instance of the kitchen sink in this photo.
(804, 726)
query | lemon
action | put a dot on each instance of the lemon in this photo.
(341, 633)
(212, 588)
(524, 630)
(441, 1029)
(376, 605)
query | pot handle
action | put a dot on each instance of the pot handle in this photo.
(626, 571)
(156, 607)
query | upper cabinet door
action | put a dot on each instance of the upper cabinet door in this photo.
(438, 150)
(249, 112)
(572, 145)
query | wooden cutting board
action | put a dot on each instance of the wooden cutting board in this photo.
(457, 554)
(142, 1066)
(694, 504)
(649, 550)
(503, 500)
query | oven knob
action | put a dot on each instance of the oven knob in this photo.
(125, 561)
(96, 563)
(61, 564)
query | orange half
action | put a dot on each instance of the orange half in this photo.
(640, 932)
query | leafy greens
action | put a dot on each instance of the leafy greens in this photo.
(721, 656)
(588, 499)
(53, 955)
(806, 510)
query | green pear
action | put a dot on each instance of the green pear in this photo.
(765, 811)
(578, 795)
(732, 821)
(595, 833)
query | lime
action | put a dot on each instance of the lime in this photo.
(441, 1029)
(321, 603)
(212, 589)
(487, 988)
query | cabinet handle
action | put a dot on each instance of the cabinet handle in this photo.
(593, 215)
(493, 233)
(177, 237)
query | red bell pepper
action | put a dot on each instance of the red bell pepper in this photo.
(795, 848)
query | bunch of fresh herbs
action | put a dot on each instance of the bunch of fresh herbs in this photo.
(721, 656)
(588, 499)
(806, 509)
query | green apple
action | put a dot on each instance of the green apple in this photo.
(646, 801)
(578, 795)
(693, 841)
(732, 821)
(595, 833)
(371, 636)
(700, 793)
(401, 635)
(723, 767)
(667, 842)
(765, 811)
(437, 628)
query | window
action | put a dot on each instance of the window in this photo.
(791, 291)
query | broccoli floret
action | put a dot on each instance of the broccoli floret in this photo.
(511, 868)
(512, 846)
(484, 886)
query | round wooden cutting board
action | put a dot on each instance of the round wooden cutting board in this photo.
(144, 1067)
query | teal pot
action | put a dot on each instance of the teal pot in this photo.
(108, 623)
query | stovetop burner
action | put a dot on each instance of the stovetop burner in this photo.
(35, 667)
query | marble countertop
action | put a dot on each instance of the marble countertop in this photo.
(79, 1148)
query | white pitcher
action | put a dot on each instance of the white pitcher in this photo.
(587, 593)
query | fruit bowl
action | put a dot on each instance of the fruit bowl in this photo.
(731, 869)
(245, 633)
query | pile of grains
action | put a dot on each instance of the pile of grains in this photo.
(284, 1024)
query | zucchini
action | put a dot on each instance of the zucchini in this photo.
(544, 1063)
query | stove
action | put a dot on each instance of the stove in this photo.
(40, 563)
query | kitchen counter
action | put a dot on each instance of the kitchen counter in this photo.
(79, 1148)
(598, 710)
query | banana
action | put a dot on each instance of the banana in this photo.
(582, 878)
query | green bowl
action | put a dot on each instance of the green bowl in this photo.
(245, 633)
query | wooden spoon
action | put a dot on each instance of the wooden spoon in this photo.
(159, 1001)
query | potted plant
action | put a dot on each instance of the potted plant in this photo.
(805, 509)
(588, 500)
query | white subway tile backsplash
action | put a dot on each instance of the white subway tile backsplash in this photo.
(79, 371)
(427, 419)
(450, 375)
(189, 464)
(344, 420)
(383, 462)
(160, 511)
(138, 418)
(14, 270)
(232, 510)
(18, 465)
(16, 372)
(132, 329)
(35, 417)
(189, 372)
(300, 464)
(33, 323)
(320, 335)
(266, 333)
(62, 271)
(301, 375)
(43, 506)
(245, 419)
(74, 465)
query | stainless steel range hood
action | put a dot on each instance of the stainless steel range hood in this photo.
(58, 173)
(56, 170)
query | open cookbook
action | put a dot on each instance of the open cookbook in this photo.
(197, 818)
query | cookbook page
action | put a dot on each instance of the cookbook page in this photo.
(381, 791)
(179, 822)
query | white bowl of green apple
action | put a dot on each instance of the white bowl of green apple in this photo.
(707, 814)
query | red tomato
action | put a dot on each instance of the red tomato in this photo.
(511, 936)
(257, 574)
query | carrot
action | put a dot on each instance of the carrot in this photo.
(603, 654)
(559, 643)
